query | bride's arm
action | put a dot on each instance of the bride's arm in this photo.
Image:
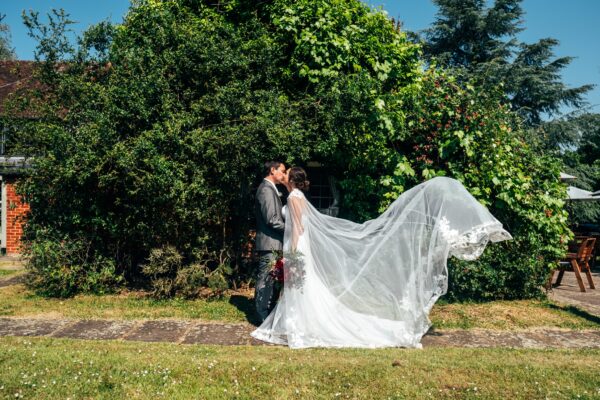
(296, 207)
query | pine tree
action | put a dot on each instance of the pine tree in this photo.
(534, 82)
(467, 34)
(479, 42)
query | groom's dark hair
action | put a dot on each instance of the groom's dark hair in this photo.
(268, 165)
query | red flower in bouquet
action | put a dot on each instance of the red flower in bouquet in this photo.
(276, 271)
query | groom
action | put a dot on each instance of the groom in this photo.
(269, 233)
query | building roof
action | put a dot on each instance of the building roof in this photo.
(15, 76)
(11, 166)
(566, 177)
(575, 193)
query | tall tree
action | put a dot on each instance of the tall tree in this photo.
(480, 41)
(6, 51)
(534, 82)
(581, 159)
(589, 145)
(467, 34)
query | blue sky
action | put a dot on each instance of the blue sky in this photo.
(574, 23)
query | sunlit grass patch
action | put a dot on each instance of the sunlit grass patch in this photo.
(45, 368)
(7, 272)
(18, 301)
(510, 315)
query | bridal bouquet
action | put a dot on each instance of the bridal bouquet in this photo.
(288, 269)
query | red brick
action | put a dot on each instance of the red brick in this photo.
(16, 211)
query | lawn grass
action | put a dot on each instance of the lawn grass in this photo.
(18, 301)
(10, 267)
(44, 368)
(6, 272)
(511, 315)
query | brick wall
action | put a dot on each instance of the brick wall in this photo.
(16, 210)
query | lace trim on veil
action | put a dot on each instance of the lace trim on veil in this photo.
(470, 244)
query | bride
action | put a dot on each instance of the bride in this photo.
(373, 284)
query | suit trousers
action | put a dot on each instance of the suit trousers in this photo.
(265, 296)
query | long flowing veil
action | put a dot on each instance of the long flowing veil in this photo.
(387, 272)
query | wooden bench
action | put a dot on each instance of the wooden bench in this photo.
(578, 261)
(595, 235)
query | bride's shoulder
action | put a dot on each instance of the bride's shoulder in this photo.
(296, 193)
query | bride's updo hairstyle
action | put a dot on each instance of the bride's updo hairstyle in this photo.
(297, 176)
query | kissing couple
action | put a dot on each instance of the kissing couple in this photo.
(369, 284)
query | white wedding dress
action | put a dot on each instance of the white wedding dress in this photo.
(373, 284)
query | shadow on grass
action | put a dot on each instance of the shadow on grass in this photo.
(577, 312)
(12, 279)
(246, 305)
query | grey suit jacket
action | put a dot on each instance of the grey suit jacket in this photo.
(269, 220)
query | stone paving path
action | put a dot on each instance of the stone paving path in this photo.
(569, 293)
(191, 332)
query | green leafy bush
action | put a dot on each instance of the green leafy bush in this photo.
(170, 275)
(61, 268)
(152, 133)
(149, 138)
(468, 134)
